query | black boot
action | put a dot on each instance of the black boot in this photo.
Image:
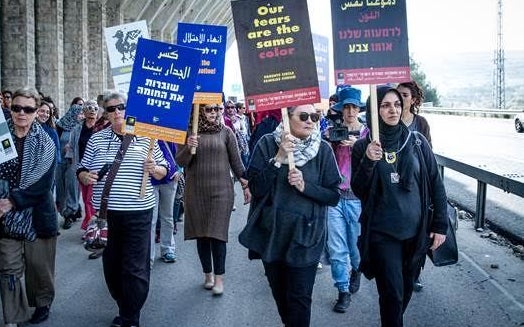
(40, 315)
(354, 281)
(77, 214)
(344, 299)
(68, 222)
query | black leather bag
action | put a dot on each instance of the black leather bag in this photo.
(447, 253)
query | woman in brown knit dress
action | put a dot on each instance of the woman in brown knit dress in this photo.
(209, 195)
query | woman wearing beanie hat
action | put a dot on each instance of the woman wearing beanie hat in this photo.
(389, 177)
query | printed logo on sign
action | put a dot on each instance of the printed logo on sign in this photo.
(126, 43)
(251, 104)
(130, 124)
(6, 145)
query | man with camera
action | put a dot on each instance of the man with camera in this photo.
(343, 225)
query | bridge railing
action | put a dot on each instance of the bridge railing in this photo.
(483, 178)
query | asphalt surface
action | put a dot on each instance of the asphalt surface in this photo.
(486, 288)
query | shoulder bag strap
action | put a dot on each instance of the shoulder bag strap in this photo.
(112, 174)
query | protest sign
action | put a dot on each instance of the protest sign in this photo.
(8, 149)
(320, 45)
(161, 90)
(212, 41)
(276, 54)
(121, 44)
(370, 41)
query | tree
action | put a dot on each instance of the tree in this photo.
(430, 93)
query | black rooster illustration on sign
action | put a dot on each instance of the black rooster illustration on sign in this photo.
(126, 43)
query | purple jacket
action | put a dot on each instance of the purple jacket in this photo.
(169, 151)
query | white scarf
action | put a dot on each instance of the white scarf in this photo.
(305, 149)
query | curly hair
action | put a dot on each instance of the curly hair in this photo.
(417, 94)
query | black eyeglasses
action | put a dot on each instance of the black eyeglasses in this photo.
(304, 116)
(120, 107)
(211, 109)
(28, 110)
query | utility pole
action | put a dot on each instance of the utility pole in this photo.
(499, 87)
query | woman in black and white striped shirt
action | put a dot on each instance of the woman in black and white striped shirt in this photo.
(126, 257)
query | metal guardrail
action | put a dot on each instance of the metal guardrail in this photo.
(483, 178)
(492, 113)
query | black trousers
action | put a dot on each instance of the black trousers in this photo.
(292, 289)
(126, 261)
(212, 254)
(394, 278)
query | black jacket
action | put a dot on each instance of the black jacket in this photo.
(366, 186)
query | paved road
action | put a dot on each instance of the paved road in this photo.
(467, 294)
(490, 144)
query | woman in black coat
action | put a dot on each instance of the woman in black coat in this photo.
(396, 178)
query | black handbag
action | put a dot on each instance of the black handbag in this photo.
(447, 253)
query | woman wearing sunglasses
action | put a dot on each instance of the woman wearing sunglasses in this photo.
(78, 138)
(30, 179)
(208, 194)
(289, 232)
(125, 259)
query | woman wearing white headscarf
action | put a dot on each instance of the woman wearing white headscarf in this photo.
(67, 194)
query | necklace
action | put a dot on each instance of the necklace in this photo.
(394, 176)
(408, 121)
(391, 157)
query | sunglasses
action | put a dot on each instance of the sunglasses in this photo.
(120, 107)
(303, 116)
(28, 110)
(211, 109)
(230, 107)
(92, 108)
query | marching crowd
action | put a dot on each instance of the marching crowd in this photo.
(322, 188)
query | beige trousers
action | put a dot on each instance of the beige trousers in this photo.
(12, 289)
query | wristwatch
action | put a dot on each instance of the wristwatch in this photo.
(275, 163)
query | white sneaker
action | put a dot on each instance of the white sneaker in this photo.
(319, 266)
(10, 325)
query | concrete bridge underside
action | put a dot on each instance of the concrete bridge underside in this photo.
(58, 46)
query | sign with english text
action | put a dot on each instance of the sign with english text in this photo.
(161, 90)
(212, 41)
(370, 41)
(276, 54)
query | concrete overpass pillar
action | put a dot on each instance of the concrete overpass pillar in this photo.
(75, 50)
(18, 44)
(49, 51)
(97, 51)
(114, 16)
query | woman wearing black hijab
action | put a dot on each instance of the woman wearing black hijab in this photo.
(390, 180)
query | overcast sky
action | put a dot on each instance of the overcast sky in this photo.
(443, 26)
(435, 28)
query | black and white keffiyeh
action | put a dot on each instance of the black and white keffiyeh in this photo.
(31, 165)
